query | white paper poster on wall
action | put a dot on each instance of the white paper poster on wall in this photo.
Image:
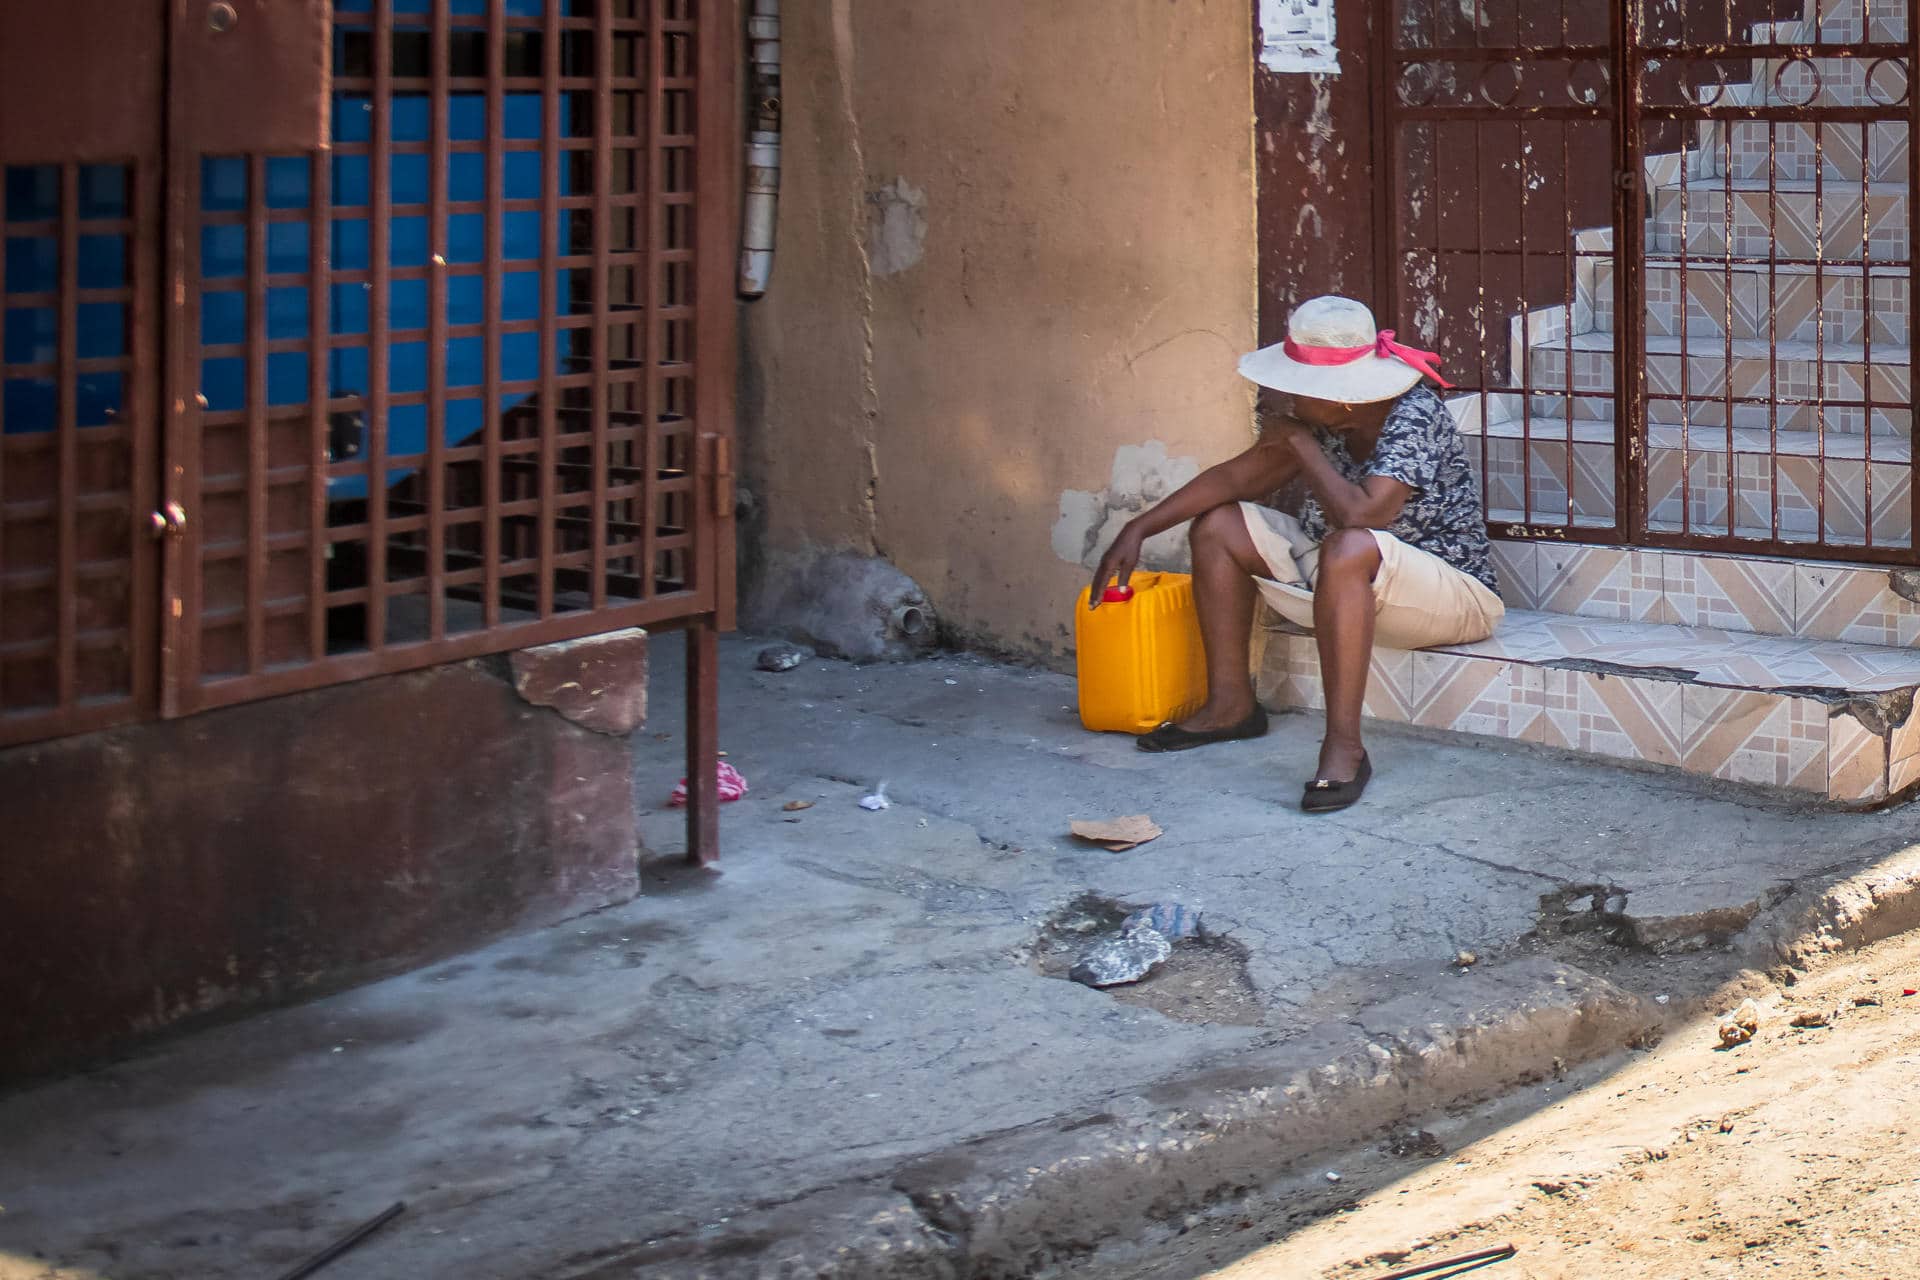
(1298, 36)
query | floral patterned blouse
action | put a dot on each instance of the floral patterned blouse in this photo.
(1420, 447)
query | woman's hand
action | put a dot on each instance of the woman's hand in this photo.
(1288, 433)
(1122, 558)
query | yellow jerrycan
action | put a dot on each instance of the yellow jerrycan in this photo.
(1140, 660)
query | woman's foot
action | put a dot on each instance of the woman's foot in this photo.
(1174, 737)
(1218, 715)
(1340, 760)
(1329, 795)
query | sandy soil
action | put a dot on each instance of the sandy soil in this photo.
(1790, 1156)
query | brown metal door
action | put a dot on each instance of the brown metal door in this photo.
(80, 157)
(1498, 152)
(452, 355)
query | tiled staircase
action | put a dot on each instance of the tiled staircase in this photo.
(1789, 673)
(1796, 675)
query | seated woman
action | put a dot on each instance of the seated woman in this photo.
(1391, 546)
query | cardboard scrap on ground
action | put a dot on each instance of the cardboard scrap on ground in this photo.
(1117, 835)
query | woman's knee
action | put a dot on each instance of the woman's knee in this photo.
(1213, 527)
(1350, 551)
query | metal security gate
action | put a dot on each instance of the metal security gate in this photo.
(82, 205)
(1665, 246)
(410, 339)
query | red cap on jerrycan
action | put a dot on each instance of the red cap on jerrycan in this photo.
(1116, 595)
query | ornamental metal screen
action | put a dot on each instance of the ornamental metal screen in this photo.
(1665, 247)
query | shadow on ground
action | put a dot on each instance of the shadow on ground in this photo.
(852, 1049)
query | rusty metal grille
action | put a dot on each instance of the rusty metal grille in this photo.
(445, 374)
(1777, 276)
(1664, 246)
(340, 374)
(76, 445)
(1500, 255)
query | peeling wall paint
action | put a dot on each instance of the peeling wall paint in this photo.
(1142, 475)
(896, 227)
(1315, 155)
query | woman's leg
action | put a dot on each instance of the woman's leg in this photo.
(1343, 626)
(1224, 565)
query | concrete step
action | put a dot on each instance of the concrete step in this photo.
(1829, 81)
(1826, 717)
(1819, 79)
(1781, 481)
(1787, 150)
(1792, 383)
(1838, 22)
(1756, 299)
(1760, 595)
(1792, 219)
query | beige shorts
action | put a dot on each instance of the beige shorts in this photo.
(1419, 600)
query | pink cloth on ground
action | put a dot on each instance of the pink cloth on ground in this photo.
(732, 786)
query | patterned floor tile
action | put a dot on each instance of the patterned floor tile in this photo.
(1292, 678)
(1763, 738)
(1603, 582)
(1837, 603)
(1392, 686)
(1732, 594)
(1714, 655)
(1905, 743)
(1515, 562)
(1856, 760)
(1615, 716)
(1290, 673)
(1465, 695)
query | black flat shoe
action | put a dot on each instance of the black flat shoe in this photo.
(1326, 796)
(1171, 737)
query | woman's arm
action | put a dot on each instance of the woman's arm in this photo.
(1373, 505)
(1250, 476)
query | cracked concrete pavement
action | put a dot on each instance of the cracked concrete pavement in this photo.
(840, 1053)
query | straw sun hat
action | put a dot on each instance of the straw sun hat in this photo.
(1334, 351)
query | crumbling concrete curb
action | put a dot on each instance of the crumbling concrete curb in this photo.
(1007, 1204)
(862, 1231)
(1856, 911)
(1670, 922)
(598, 682)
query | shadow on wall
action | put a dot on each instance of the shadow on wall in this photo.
(1143, 474)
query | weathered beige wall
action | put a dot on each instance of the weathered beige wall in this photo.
(1015, 238)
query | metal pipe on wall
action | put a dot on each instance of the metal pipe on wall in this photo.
(760, 224)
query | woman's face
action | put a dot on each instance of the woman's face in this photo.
(1328, 415)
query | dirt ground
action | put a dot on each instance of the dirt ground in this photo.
(1789, 1156)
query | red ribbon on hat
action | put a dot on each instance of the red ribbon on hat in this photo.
(1427, 362)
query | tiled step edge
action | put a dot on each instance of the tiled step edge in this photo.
(1805, 600)
(1844, 750)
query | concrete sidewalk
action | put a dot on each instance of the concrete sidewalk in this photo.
(852, 1051)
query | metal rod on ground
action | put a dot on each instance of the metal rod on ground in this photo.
(1468, 1260)
(346, 1242)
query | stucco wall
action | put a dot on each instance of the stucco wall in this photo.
(1016, 239)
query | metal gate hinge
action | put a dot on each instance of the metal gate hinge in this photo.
(1626, 179)
(722, 463)
(170, 521)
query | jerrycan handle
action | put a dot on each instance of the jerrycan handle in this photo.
(1116, 595)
